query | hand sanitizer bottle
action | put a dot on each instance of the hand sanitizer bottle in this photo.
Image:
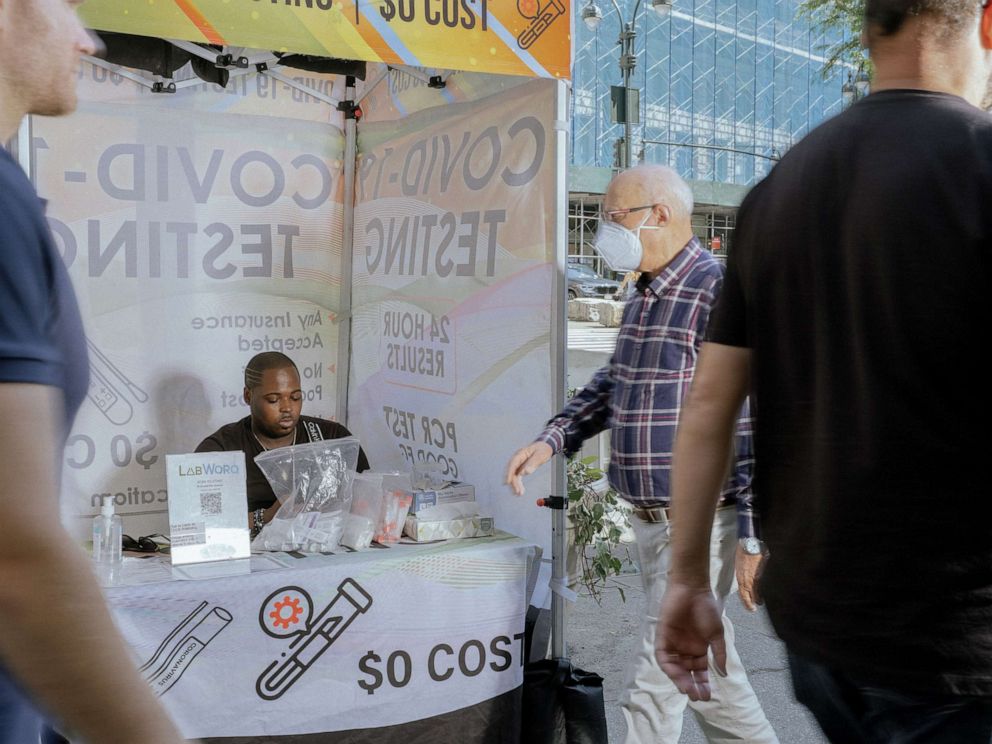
(107, 533)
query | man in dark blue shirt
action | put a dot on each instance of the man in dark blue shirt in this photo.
(58, 643)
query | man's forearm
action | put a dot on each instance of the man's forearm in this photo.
(585, 415)
(702, 456)
(699, 471)
(61, 644)
(58, 639)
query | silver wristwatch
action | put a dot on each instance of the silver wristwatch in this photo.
(258, 522)
(751, 545)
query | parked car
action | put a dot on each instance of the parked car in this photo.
(584, 282)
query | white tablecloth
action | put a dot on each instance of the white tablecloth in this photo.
(332, 643)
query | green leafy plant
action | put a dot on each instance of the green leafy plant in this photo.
(844, 17)
(596, 520)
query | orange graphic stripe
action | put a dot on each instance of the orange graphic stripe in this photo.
(208, 31)
(372, 37)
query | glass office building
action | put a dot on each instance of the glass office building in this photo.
(726, 87)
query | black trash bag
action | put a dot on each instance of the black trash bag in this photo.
(562, 705)
(585, 711)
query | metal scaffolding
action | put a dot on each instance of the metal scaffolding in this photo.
(714, 226)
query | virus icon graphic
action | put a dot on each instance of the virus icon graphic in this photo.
(281, 618)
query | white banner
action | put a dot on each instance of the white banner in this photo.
(342, 642)
(454, 261)
(199, 229)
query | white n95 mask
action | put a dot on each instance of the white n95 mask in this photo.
(621, 248)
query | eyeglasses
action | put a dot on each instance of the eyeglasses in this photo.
(618, 215)
(145, 543)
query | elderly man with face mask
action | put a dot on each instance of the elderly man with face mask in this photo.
(646, 226)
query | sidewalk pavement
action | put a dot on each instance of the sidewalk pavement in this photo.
(601, 639)
(590, 336)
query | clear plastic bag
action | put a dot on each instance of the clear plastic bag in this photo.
(396, 501)
(378, 509)
(427, 477)
(313, 483)
(366, 507)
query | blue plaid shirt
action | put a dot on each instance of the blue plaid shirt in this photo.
(638, 395)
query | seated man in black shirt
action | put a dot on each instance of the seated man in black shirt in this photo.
(274, 397)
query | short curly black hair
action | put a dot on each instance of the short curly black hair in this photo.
(886, 17)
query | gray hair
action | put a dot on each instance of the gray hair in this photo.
(679, 193)
(663, 185)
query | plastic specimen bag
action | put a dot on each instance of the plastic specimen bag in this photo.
(313, 483)
(378, 508)
(396, 500)
(366, 503)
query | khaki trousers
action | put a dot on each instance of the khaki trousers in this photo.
(651, 705)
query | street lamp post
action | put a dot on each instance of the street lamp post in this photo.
(592, 16)
(856, 87)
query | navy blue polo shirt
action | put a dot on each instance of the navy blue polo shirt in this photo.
(41, 342)
(41, 333)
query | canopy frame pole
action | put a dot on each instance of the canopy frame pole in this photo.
(369, 87)
(302, 87)
(432, 81)
(219, 59)
(155, 83)
(345, 315)
(559, 366)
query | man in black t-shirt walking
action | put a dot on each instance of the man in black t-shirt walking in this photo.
(854, 308)
(275, 401)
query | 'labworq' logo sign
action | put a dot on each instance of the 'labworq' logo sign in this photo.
(210, 468)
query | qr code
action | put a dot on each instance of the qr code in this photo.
(210, 504)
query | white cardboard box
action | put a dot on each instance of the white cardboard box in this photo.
(448, 495)
(477, 526)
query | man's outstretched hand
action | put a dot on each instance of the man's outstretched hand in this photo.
(524, 462)
(688, 625)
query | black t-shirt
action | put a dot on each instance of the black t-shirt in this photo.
(239, 436)
(860, 280)
(41, 333)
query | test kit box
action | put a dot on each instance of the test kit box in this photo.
(477, 526)
(450, 494)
